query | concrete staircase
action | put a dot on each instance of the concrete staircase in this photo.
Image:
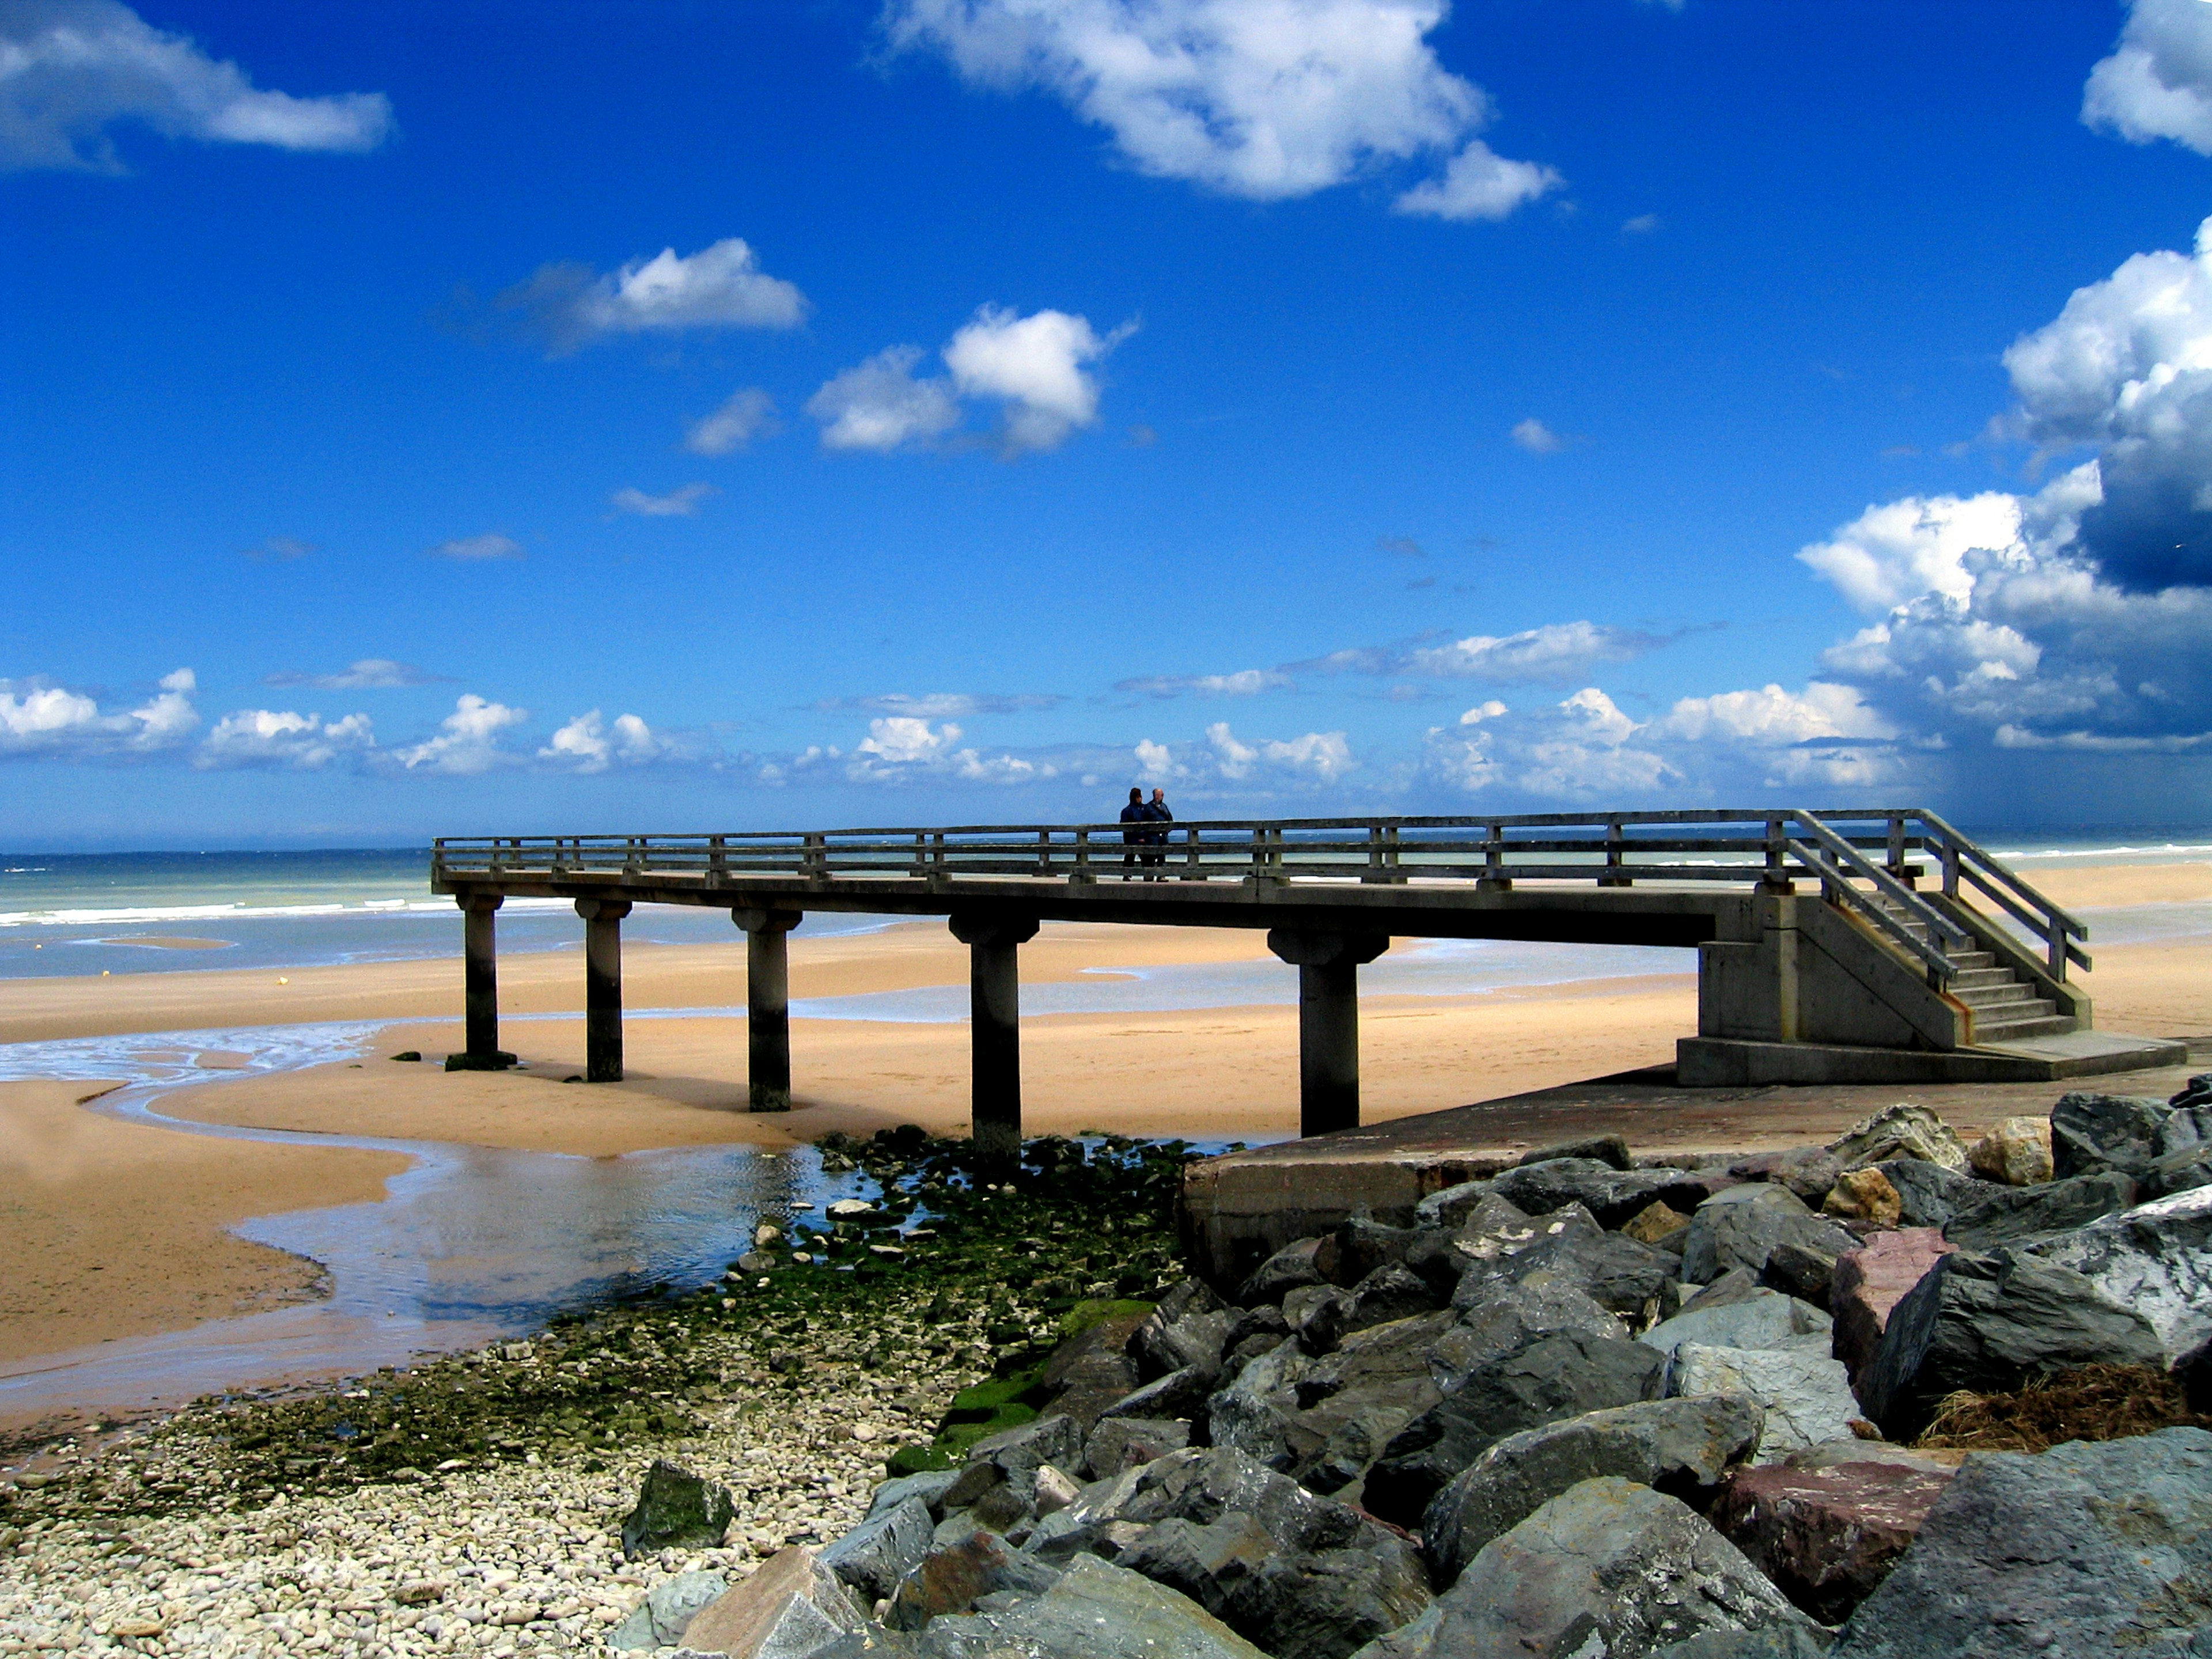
(2004, 1002)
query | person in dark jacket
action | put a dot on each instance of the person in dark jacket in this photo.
(1134, 814)
(1155, 812)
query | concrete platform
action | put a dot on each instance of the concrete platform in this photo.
(1239, 1208)
(1722, 1062)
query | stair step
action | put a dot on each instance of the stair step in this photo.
(1975, 979)
(1973, 960)
(2050, 1025)
(2002, 999)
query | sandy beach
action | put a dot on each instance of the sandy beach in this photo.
(112, 1229)
(96, 1203)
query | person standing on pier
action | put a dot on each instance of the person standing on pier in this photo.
(1134, 813)
(1155, 812)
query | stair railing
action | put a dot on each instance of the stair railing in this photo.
(1966, 864)
(1827, 854)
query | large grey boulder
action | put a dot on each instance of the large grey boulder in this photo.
(1312, 1604)
(953, 1578)
(1509, 1316)
(1764, 1319)
(1607, 1568)
(1096, 1611)
(1680, 1446)
(2014, 1214)
(1742, 1226)
(1611, 1193)
(882, 1550)
(1902, 1131)
(2092, 1132)
(1612, 1269)
(1306, 1577)
(1124, 1443)
(1292, 1267)
(2154, 1259)
(1185, 1330)
(1775, 1642)
(929, 1486)
(1556, 1376)
(2089, 1549)
(662, 1619)
(1807, 1396)
(1450, 1208)
(791, 1607)
(1990, 1323)
(677, 1510)
(1928, 1194)
(1253, 1413)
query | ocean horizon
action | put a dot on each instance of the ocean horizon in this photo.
(66, 914)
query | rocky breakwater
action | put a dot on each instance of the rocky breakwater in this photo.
(527, 1498)
(1892, 1396)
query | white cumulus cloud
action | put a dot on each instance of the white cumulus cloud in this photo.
(475, 548)
(1480, 184)
(679, 503)
(879, 405)
(2158, 81)
(588, 744)
(69, 69)
(368, 674)
(1533, 435)
(40, 719)
(467, 742)
(1244, 683)
(1035, 365)
(271, 737)
(749, 414)
(721, 286)
(1264, 99)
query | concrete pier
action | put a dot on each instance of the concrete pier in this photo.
(1328, 1022)
(767, 1006)
(603, 1026)
(993, 939)
(480, 974)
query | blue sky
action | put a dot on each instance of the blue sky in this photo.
(538, 417)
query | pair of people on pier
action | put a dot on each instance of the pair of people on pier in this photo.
(1142, 843)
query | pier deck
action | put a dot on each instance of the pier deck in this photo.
(1821, 957)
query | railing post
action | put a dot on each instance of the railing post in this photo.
(1776, 875)
(1083, 872)
(1044, 852)
(1493, 875)
(1897, 845)
(1374, 873)
(1950, 869)
(718, 855)
(1192, 870)
(1614, 875)
(814, 857)
(2057, 938)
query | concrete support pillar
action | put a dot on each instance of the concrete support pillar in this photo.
(1328, 1022)
(767, 1006)
(480, 974)
(993, 939)
(602, 1027)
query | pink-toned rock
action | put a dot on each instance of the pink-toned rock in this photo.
(1871, 1280)
(1828, 1537)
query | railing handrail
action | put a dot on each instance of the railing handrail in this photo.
(1386, 848)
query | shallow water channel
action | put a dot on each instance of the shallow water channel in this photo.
(471, 1244)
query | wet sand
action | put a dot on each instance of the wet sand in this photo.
(112, 1229)
(154, 1203)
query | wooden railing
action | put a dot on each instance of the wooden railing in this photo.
(1866, 861)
